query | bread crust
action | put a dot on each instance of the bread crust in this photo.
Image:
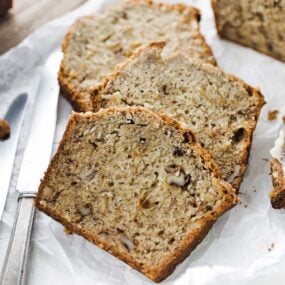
(249, 127)
(70, 91)
(187, 245)
(225, 36)
(277, 195)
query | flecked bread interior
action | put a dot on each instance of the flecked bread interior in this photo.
(220, 109)
(137, 185)
(95, 44)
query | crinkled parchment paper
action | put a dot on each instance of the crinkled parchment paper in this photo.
(246, 245)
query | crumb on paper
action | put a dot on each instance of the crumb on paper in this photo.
(67, 231)
(272, 115)
(245, 205)
(283, 119)
(265, 159)
(271, 246)
(4, 130)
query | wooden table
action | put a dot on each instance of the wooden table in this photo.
(27, 15)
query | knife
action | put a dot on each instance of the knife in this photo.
(35, 161)
(14, 116)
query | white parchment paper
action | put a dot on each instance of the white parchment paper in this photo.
(246, 245)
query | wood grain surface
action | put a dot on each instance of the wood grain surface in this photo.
(27, 15)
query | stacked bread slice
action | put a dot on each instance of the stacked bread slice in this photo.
(95, 44)
(147, 176)
(277, 195)
(221, 109)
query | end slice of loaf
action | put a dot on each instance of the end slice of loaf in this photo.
(95, 44)
(277, 196)
(258, 24)
(221, 109)
(137, 185)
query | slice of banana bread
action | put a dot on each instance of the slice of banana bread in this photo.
(137, 185)
(95, 44)
(259, 24)
(277, 196)
(220, 109)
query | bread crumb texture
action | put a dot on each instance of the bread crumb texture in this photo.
(4, 130)
(95, 44)
(135, 184)
(259, 24)
(220, 109)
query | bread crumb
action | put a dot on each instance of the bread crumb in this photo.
(4, 130)
(271, 246)
(67, 231)
(272, 115)
(283, 119)
(245, 206)
(265, 159)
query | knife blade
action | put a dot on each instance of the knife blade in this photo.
(35, 161)
(14, 116)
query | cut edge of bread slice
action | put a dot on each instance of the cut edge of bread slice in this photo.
(249, 126)
(69, 90)
(188, 244)
(277, 195)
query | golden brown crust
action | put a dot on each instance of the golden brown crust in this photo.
(249, 128)
(277, 196)
(187, 245)
(71, 93)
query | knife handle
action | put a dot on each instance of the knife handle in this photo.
(13, 271)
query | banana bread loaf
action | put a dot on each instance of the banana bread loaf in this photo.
(137, 185)
(259, 24)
